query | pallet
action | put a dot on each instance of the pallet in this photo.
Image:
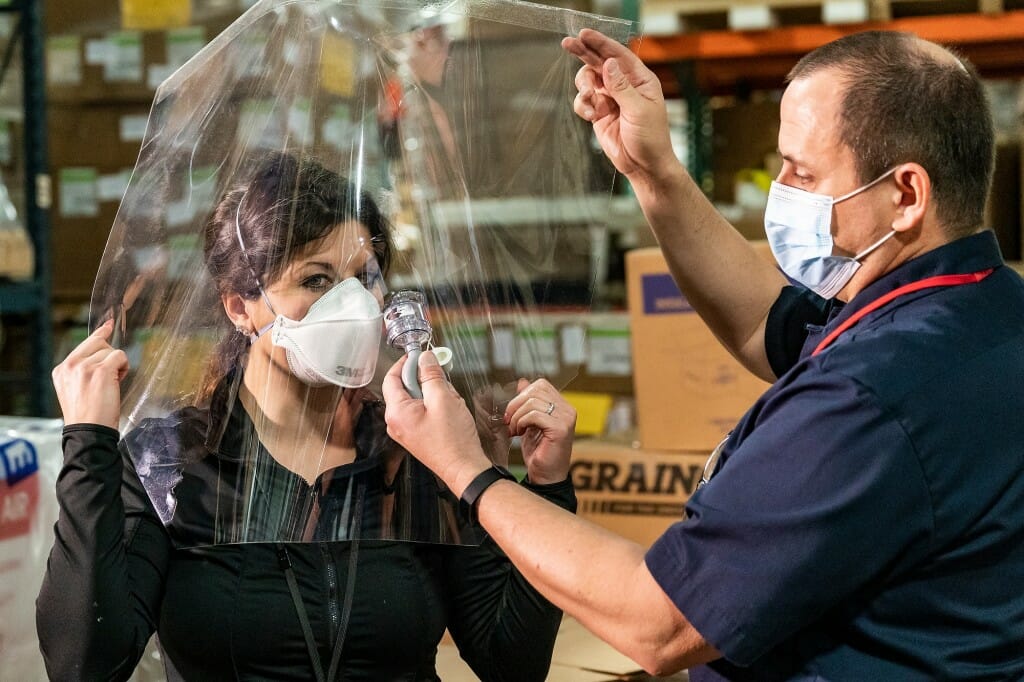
(668, 17)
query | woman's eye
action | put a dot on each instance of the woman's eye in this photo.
(369, 277)
(318, 282)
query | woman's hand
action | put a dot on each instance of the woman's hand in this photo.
(88, 382)
(437, 430)
(624, 101)
(545, 423)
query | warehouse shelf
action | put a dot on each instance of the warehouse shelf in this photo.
(725, 60)
(700, 65)
(19, 298)
(27, 304)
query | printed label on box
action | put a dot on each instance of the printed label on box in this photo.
(64, 60)
(661, 296)
(133, 128)
(470, 348)
(125, 60)
(259, 127)
(609, 352)
(156, 74)
(183, 44)
(78, 196)
(574, 344)
(112, 186)
(536, 351)
(300, 121)
(503, 347)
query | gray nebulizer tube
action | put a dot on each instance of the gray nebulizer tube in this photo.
(410, 373)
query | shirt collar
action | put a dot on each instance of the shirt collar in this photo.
(964, 256)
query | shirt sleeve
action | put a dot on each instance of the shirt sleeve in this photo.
(495, 615)
(99, 601)
(788, 529)
(786, 329)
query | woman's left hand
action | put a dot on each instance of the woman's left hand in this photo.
(545, 422)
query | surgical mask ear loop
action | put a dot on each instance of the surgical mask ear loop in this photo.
(866, 187)
(854, 193)
(259, 284)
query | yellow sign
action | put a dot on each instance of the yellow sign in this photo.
(152, 15)
(338, 65)
(591, 411)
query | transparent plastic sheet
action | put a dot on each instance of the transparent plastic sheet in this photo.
(311, 161)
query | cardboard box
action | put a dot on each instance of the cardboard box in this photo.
(690, 391)
(92, 152)
(634, 493)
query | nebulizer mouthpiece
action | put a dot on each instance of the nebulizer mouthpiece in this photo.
(408, 330)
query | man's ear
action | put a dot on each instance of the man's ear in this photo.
(913, 196)
(234, 306)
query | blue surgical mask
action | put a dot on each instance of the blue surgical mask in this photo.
(798, 225)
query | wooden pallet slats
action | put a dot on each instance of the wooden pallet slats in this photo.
(665, 17)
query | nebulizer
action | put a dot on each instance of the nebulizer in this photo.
(409, 330)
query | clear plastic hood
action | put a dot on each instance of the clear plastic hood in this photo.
(313, 160)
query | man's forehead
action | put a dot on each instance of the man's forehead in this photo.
(810, 114)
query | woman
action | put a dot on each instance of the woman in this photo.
(209, 554)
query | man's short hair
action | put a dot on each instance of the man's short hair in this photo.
(906, 100)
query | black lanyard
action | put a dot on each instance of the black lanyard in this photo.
(286, 564)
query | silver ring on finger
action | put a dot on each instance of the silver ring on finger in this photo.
(551, 408)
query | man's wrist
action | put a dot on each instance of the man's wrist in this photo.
(465, 476)
(472, 493)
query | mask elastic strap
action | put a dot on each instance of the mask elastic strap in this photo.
(248, 261)
(866, 187)
(254, 337)
(874, 246)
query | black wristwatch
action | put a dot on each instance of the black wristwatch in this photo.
(471, 495)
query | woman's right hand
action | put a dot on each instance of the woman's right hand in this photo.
(88, 382)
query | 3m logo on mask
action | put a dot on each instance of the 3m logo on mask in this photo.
(354, 373)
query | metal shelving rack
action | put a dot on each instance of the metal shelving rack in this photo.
(705, 63)
(32, 299)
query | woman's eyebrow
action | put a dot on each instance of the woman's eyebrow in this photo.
(320, 264)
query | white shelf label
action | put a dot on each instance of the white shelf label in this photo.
(78, 193)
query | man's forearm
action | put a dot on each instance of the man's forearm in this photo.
(722, 276)
(595, 576)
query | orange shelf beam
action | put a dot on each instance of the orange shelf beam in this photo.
(954, 30)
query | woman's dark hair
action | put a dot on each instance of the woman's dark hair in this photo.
(286, 205)
(906, 100)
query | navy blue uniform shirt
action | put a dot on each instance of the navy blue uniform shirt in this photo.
(866, 521)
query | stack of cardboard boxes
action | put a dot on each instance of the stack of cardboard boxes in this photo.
(105, 60)
(689, 393)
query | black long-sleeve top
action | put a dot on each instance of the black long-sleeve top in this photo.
(225, 611)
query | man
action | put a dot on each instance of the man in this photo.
(865, 520)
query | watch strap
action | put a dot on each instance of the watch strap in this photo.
(484, 480)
